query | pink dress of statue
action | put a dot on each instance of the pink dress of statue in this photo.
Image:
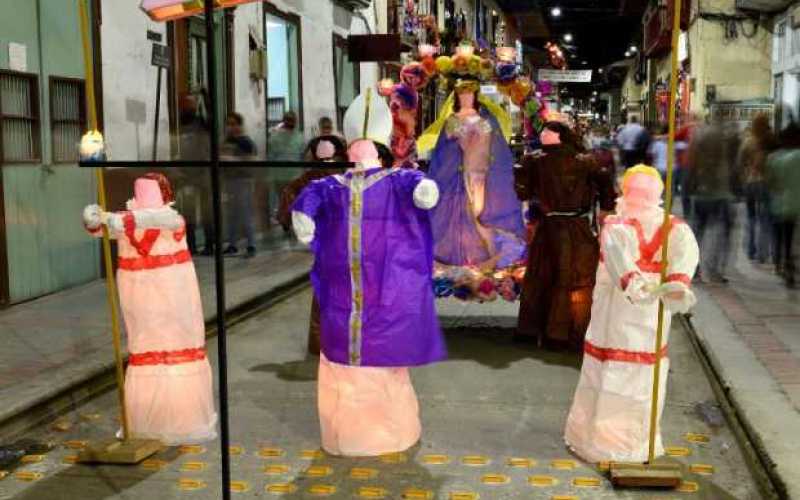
(168, 384)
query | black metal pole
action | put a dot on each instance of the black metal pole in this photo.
(158, 114)
(219, 266)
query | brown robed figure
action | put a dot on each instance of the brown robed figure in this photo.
(567, 184)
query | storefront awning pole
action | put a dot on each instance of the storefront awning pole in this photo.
(665, 226)
(219, 266)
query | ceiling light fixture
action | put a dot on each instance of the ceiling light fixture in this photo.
(633, 48)
(567, 37)
(555, 12)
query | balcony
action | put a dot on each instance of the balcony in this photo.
(657, 23)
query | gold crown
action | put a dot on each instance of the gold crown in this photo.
(467, 85)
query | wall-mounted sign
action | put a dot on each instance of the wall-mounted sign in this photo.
(17, 57)
(160, 56)
(154, 36)
(572, 76)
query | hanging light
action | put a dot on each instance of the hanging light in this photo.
(633, 49)
(627, 53)
(555, 12)
(567, 37)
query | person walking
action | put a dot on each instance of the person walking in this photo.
(240, 185)
(759, 142)
(782, 175)
(633, 141)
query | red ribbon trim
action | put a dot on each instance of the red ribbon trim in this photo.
(167, 357)
(153, 261)
(681, 278)
(604, 354)
(626, 279)
(647, 249)
(144, 245)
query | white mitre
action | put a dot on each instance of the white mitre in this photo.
(368, 117)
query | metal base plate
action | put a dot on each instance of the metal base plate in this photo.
(115, 451)
(656, 475)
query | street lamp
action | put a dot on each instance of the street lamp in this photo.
(555, 12)
(633, 49)
(627, 53)
(567, 37)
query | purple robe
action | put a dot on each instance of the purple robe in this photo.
(373, 269)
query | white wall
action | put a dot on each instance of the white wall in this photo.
(249, 94)
(786, 62)
(129, 84)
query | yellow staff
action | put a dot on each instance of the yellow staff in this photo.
(111, 286)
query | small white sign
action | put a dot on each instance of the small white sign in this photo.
(488, 89)
(17, 57)
(573, 76)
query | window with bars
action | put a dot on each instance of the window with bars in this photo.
(67, 117)
(19, 117)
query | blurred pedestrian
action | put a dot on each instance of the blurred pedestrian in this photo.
(783, 179)
(684, 134)
(239, 185)
(759, 142)
(658, 151)
(710, 186)
(633, 141)
(286, 143)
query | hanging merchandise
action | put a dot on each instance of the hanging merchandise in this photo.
(168, 386)
(370, 232)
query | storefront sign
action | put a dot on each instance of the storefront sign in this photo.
(573, 76)
(160, 56)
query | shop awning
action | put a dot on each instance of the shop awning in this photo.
(168, 10)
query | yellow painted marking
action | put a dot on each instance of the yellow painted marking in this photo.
(322, 490)
(318, 471)
(91, 417)
(464, 495)
(76, 444)
(475, 460)
(312, 454)
(587, 482)
(62, 425)
(240, 486)
(236, 450)
(677, 451)
(689, 487)
(192, 449)
(435, 459)
(563, 497)
(32, 459)
(187, 484)
(153, 464)
(604, 466)
(418, 494)
(694, 437)
(276, 469)
(542, 481)
(495, 479)
(28, 476)
(193, 466)
(270, 452)
(372, 492)
(394, 458)
(363, 473)
(280, 488)
(705, 469)
(523, 463)
(70, 459)
(563, 464)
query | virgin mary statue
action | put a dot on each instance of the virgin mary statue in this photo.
(478, 222)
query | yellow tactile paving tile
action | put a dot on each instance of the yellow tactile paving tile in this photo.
(28, 476)
(475, 460)
(280, 488)
(189, 484)
(372, 492)
(75, 444)
(703, 469)
(276, 469)
(394, 458)
(563, 464)
(240, 486)
(91, 417)
(688, 487)
(193, 466)
(495, 479)
(32, 459)
(542, 481)
(521, 462)
(587, 482)
(363, 473)
(436, 459)
(677, 451)
(318, 471)
(463, 495)
(694, 437)
(322, 490)
(312, 454)
(236, 450)
(271, 452)
(153, 464)
(604, 466)
(418, 494)
(192, 449)
(564, 497)
(70, 459)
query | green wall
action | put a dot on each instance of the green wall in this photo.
(47, 247)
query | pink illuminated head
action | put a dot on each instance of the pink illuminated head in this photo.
(550, 137)
(363, 151)
(147, 193)
(642, 186)
(325, 150)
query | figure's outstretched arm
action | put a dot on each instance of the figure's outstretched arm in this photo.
(637, 286)
(684, 256)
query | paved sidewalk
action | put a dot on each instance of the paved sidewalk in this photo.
(750, 329)
(55, 342)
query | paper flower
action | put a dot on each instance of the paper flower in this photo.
(443, 287)
(506, 72)
(474, 65)
(429, 65)
(520, 90)
(462, 293)
(444, 64)
(426, 50)
(386, 87)
(461, 64)
(414, 75)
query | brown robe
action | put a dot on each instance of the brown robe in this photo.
(288, 195)
(556, 297)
